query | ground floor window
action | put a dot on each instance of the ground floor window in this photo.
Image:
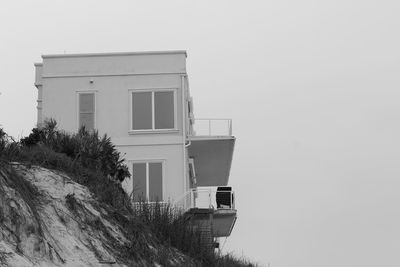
(147, 181)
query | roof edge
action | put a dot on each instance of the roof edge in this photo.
(116, 54)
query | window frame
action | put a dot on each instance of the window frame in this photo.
(78, 112)
(147, 162)
(153, 129)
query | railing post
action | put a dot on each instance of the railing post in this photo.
(192, 204)
(187, 201)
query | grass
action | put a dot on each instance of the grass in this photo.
(171, 226)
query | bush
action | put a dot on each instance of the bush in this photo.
(86, 147)
(87, 159)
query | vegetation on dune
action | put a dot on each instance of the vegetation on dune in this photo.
(88, 159)
(94, 162)
(85, 147)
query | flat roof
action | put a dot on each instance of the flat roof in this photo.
(116, 54)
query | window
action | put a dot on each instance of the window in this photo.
(147, 181)
(153, 110)
(87, 110)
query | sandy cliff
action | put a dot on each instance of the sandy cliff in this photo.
(46, 219)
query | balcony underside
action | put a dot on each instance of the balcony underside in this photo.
(220, 221)
(212, 159)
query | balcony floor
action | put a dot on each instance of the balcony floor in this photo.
(221, 221)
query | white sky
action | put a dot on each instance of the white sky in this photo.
(313, 91)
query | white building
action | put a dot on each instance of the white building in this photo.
(142, 101)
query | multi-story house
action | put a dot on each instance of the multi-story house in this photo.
(142, 101)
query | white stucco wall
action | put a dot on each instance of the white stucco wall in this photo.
(172, 158)
(112, 100)
(112, 77)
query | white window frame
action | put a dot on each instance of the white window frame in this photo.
(147, 161)
(78, 93)
(153, 130)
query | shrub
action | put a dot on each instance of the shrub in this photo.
(79, 155)
(87, 147)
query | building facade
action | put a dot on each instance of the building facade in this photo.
(142, 101)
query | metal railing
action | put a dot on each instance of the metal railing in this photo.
(140, 205)
(206, 199)
(212, 127)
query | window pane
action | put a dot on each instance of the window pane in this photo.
(87, 120)
(164, 110)
(155, 181)
(86, 102)
(141, 111)
(139, 181)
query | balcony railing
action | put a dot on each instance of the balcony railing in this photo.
(212, 127)
(207, 199)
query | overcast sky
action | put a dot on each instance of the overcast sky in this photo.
(313, 91)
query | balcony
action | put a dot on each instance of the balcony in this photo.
(211, 148)
(212, 207)
(207, 198)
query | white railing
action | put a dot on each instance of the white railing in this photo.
(140, 205)
(206, 199)
(212, 127)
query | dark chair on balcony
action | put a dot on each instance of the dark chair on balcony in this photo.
(224, 197)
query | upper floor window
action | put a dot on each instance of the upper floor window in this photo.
(86, 110)
(153, 110)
